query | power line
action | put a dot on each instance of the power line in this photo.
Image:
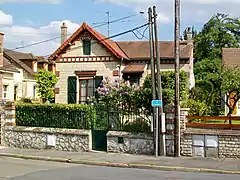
(51, 39)
(142, 34)
(116, 35)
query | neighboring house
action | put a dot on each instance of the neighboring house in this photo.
(231, 58)
(86, 57)
(17, 74)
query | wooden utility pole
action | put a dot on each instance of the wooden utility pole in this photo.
(177, 54)
(150, 18)
(159, 86)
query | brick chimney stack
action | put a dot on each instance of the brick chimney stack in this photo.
(63, 32)
(1, 49)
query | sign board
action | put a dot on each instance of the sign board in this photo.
(51, 140)
(157, 103)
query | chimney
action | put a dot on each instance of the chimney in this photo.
(1, 49)
(189, 35)
(63, 33)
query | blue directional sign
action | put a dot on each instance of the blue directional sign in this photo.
(157, 103)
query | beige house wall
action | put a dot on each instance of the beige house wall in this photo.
(77, 50)
(104, 69)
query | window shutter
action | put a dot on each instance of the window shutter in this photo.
(98, 80)
(72, 90)
(86, 47)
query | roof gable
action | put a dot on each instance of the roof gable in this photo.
(108, 43)
(14, 56)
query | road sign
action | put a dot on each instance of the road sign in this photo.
(157, 103)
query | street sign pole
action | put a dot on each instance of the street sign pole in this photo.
(157, 129)
(158, 104)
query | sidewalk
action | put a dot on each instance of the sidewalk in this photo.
(224, 166)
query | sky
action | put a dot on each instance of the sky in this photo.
(26, 22)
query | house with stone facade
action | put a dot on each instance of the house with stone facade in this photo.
(17, 73)
(86, 57)
(231, 58)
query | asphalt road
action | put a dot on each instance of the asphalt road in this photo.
(17, 169)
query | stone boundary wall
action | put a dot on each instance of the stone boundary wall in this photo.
(228, 142)
(72, 140)
(125, 142)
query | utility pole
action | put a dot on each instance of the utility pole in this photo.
(159, 87)
(177, 54)
(150, 18)
(108, 14)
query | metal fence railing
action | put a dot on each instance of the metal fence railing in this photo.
(97, 116)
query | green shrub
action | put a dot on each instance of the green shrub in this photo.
(54, 115)
(197, 108)
(137, 126)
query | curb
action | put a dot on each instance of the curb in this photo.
(122, 165)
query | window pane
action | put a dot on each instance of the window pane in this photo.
(90, 92)
(5, 87)
(83, 83)
(90, 83)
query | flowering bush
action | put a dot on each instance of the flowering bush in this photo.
(117, 92)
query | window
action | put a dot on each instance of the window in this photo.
(86, 47)
(87, 88)
(15, 93)
(5, 91)
(34, 91)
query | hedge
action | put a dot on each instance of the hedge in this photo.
(74, 116)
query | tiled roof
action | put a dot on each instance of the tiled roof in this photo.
(17, 57)
(137, 50)
(134, 68)
(231, 56)
(108, 43)
(7, 66)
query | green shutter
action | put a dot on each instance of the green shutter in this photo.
(86, 47)
(98, 80)
(72, 90)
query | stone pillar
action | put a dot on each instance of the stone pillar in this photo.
(170, 124)
(9, 114)
(169, 120)
(183, 118)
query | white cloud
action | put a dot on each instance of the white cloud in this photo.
(17, 36)
(31, 1)
(5, 19)
(192, 11)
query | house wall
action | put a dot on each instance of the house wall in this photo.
(77, 50)
(24, 83)
(104, 69)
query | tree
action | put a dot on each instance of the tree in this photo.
(45, 83)
(168, 87)
(220, 31)
(230, 86)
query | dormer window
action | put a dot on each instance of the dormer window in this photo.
(87, 47)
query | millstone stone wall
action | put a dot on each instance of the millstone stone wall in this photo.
(124, 142)
(47, 138)
(216, 143)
